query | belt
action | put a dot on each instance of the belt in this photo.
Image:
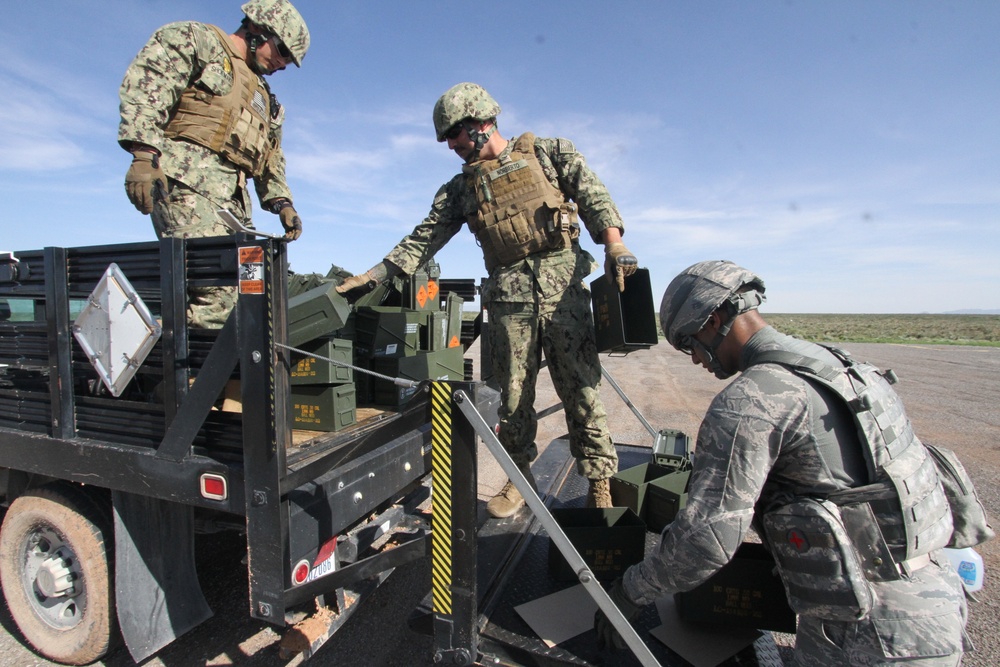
(908, 567)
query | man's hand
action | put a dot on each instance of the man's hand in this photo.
(365, 280)
(619, 263)
(291, 221)
(143, 179)
(607, 636)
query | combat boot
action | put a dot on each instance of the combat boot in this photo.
(509, 500)
(599, 493)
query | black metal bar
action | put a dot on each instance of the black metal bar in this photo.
(263, 460)
(453, 568)
(60, 343)
(119, 467)
(192, 411)
(175, 332)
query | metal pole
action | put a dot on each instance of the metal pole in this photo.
(555, 531)
(635, 410)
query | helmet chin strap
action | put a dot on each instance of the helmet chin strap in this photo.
(477, 136)
(737, 304)
(254, 41)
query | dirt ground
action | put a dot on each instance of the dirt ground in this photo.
(950, 394)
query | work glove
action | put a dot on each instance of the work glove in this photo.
(364, 281)
(618, 264)
(607, 636)
(144, 181)
(292, 223)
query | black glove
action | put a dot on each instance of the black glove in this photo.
(607, 636)
(290, 220)
(143, 179)
(619, 264)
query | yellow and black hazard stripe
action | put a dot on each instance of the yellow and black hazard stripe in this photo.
(441, 495)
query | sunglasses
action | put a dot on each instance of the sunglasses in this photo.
(282, 49)
(454, 131)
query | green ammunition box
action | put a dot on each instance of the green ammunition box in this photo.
(445, 364)
(745, 593)
(629, 487)
(437, 331)
(670, 447)
(385, 331)
(624, 321)
(608, 539)
(665, 496)
(454, 307)
(323, 407)
(309, 370)
(316, 313)
(422, 292)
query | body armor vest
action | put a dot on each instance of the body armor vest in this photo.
(519, 211)
(236, 125)
(828, 548)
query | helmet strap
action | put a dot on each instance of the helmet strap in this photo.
(477, 136)
(735, 305)
(254, 41)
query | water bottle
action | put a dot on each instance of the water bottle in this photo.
(969, 565)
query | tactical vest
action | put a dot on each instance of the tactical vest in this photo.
(519, 211)
(829, 548)
(236, 125)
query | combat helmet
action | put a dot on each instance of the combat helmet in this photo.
(696, 293)
(284, 21)
(461, 101)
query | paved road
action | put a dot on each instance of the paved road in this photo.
(950, 393)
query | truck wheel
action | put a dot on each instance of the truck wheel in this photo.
(54, 569)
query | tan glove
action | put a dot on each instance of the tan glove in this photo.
(618, 264)
(145, 181)
(291, 221)
(365, 280)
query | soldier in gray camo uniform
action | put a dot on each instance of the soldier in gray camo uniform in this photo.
(523, 199)
(779, 449)
(199, 120)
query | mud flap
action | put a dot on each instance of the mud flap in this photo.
(156, 584)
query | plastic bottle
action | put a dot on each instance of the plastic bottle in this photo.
(969, 565)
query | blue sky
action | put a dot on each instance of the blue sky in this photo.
(848, 152)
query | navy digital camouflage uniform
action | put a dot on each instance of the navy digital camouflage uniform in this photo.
(200, 181)
(537, 304)
(770, 436)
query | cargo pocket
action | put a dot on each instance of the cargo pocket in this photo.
(922, 637)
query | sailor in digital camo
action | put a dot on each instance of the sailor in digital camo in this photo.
(523, 199)
(200, 120)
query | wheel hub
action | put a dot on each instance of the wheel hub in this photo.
(54, 578)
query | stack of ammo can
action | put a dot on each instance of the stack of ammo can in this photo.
(415, 339)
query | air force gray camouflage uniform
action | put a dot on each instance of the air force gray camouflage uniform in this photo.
(771, 436)
(535, 304)
(180, 56)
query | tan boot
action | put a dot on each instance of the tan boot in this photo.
(599, 493)
(509, 500)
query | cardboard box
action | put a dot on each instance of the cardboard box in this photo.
(608, 539)
(745, 593)
(629, 486)
(323, 407)
(624, 321)
(309, 370)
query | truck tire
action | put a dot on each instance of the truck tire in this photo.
(55, 573)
